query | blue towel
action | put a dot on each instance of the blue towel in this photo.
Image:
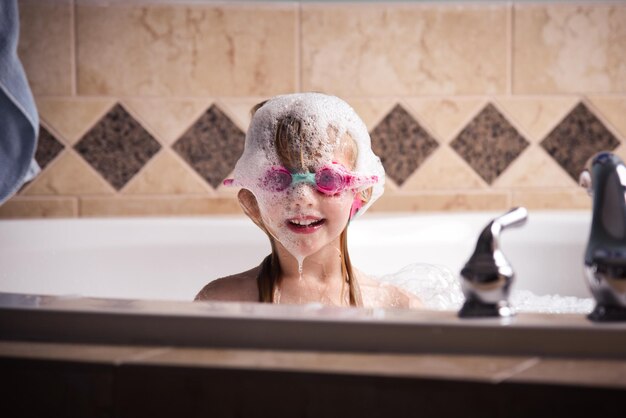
(19, 121)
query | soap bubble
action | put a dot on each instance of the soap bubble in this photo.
(439, 288)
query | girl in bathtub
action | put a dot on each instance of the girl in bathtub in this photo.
(307, 170)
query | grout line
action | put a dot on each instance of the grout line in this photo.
(298, 45)
(73, 41)
(521, 367)
(75, 206)
(511, 45)
(396, 97)
(150, 196)
(80, 204)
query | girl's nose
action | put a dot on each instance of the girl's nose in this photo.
(303, 195)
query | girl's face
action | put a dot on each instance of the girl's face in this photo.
(305, 220)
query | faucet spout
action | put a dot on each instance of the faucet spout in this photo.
(487, 276)
(604, 177)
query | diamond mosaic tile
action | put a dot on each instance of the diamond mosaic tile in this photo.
(401, 143)
(212, 146)
(579, 136)
(489, 143)
(48, 147)
(117, 147)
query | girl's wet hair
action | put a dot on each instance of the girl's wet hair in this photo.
(293, 141)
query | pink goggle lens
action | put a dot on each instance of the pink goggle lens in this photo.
(330, 181)
(276, 179)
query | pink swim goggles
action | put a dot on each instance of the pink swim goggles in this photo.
(330, 179)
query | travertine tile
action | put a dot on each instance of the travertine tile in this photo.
(73, 117)
(536, 116)
(382, 50)
(446, 117)
(227, 191)
(27, 207)
(239, 110)
(444, 170)
(534, 168)
(167, 119)
(612, 109)
(621, 151)
(443, 201)
(157, 206)
(190, 50)
(371, 111)
(574, 198)
(569, 48)
(45, 45)
(166, 174)
(70, 175)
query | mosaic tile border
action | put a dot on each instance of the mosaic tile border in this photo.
(210, 146)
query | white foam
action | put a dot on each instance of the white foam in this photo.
(439, 288)
(317, 112)
(436, 286)
(325, 120)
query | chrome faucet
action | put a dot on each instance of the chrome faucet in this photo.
(604, 177)
(487, 277)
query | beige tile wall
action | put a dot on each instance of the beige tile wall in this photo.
(442, 62)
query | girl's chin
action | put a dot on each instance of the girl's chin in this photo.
(304, 251)
(301, 248)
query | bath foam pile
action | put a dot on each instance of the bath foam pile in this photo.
(329, 127)
(326, 119)
(438, 288)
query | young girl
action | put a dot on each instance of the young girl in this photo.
(306, 171)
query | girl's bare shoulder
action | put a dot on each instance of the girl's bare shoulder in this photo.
(241, 287)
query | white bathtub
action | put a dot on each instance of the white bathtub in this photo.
(172, 258)
(126, 281)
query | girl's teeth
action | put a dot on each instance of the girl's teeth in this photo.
(303, 222)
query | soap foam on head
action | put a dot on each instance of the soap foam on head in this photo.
(325, 123)
(325, 119)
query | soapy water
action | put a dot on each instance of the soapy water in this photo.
(439, 288)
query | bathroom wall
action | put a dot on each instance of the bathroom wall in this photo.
(470, 105)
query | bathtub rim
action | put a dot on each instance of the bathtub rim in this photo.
(308, 328)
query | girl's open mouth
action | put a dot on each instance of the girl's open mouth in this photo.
(305, 225)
